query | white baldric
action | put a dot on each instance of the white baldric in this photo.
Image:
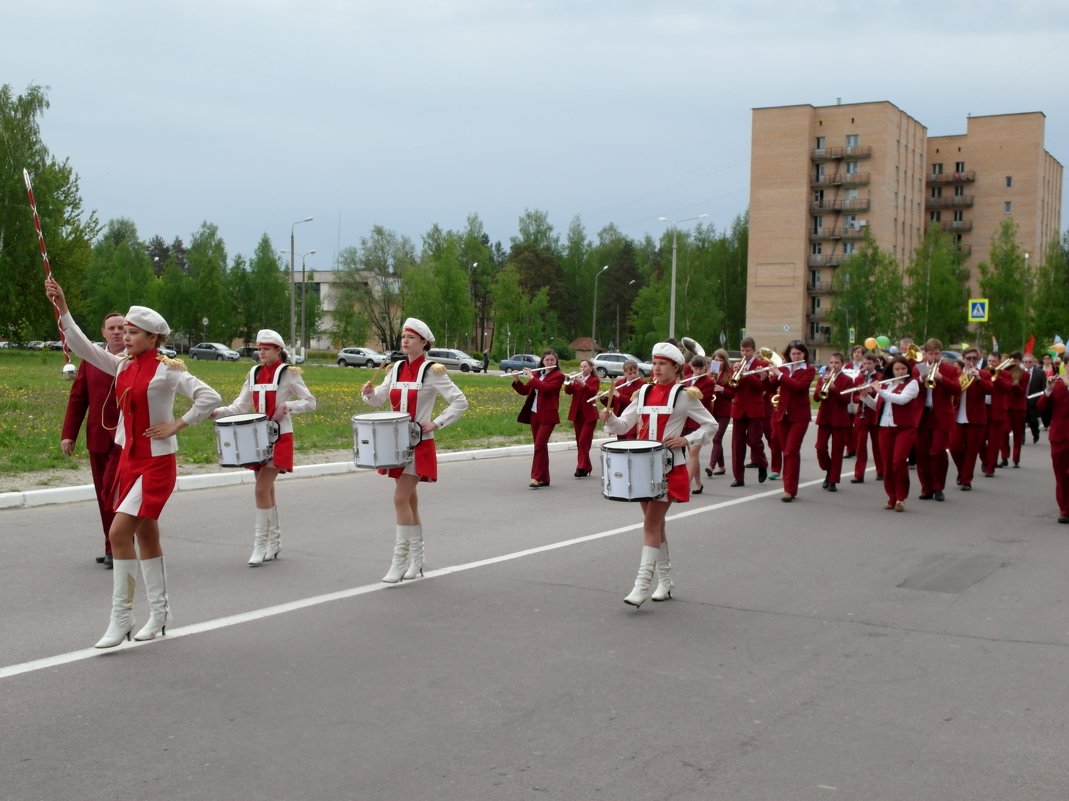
(407, 386)
(654, 412)
(259, 391)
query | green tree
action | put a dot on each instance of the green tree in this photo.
(868, 292)
(68, 230)
(369, 281)
(1050, 301)
(937, 291)
(1007, 285)
(207, 262)
(520, 319)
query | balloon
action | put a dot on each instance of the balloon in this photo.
(882, 341)
(1058, 347)
(871, 343)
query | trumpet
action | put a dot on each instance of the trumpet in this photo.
(929, 378)
(1005, 363)
(519, 373)
(872, 384)
(822, 392)
(737, 373)
(771, 367)
(967, 377)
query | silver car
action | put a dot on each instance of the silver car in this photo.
(454, 359)
(213, 350)
(360, 357)
(612, 364)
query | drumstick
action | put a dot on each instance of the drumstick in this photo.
(67, 367)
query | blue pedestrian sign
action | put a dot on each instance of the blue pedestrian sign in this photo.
(977, 310)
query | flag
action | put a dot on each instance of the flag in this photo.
(1030, 344)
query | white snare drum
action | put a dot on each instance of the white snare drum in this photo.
(384, 439)
(245, 440)
(634, 470)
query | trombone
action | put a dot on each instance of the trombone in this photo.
(770, 367)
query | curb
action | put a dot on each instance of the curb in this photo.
(229, 478)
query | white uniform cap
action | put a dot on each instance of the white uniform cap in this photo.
(147, 320)
(268, 337)
(419, 327)
(668, 351)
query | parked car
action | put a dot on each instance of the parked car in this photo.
(54, 345)
(3, 344)
(213, 350)
(612, 364)
(170, 353)
(455, 360)
(360, 357)
(396, 356)
(36, 344)
(518, 361)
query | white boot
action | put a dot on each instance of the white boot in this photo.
(155, 575)
(641, 590)
(124, 581)
(274, 537)
(415, 552)
(259, 542)
(664, 575)
(400, 556)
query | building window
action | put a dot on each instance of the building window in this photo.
(959, 166)
(1008, 207)
(820, 172)
(1009, 181)
(852, 167)
(851, 140)
(934, 216)
(959, 216)
(937, 169)
(820, 143)
(937, 191)
(818, 224)
(849, 248)
(959, 191)
(815, 248)
(814, 278)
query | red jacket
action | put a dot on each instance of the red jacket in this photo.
(1000, 393)
(865, 416)
(581, 411)
(92, 392)
(1017, 400)
(905, 415)
(1058, 405)
(943, 395)
(832, 410)
(749, 399)
(975, 408)
(546, 387)
(704, 385)
(794, 393)
(722, 400)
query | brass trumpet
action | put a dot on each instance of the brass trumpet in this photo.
(737, 374)
(1004, 364)
(967, 377)
(822, 393)
(872, 384)
(771, 367)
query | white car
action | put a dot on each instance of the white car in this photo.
(612, 364)
(455, 359)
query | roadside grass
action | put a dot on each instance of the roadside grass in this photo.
(33, 401)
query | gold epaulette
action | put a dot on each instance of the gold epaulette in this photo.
(438, 369)
(294, 369)
(174, 364)
(693, 393)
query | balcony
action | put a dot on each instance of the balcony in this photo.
(964, 250)
(825, 261)
(820, 287)
(950, 202)
(952, 177)
(817, 314)
(840, 204)
(856, 232)
(840, 179)
(835, 153)
(958, 226)
(819, 338)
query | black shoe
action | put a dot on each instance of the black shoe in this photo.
(1004, 463)
(1016, 465)
(738, 483)
(762, 474)
(697, 491)
(966, 487)
(1035, 438)
(925, 497)
(857, 481)
(831, 488)
(582, 473)
(1063, 519)
(100, 559)
(939, 496)
(879, 478)
(109, 562)
(849, 455)
(709, 472)
(989, 475)
(825, 484)
(752, 464)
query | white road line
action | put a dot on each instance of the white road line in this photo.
(316, 600)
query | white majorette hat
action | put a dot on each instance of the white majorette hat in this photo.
(147, 320)
(268, 337)
(668, 352)
(419, 327)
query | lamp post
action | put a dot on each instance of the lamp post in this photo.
(618, 341)
(594, 316)
(672, 296)
(475, 310)
(304, 334)
(293, 302)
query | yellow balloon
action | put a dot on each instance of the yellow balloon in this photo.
(1058, 347)
(871, 343)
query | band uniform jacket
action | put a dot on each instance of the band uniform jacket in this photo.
(546, 387)
(973, 397)
(1057, 406)
(749, 399)
(291, 390)
(794, 394)
(582, 390)
(905, 414)
(832, 410)
(92, 399)
(942, 395)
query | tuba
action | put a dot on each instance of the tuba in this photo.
(692, 347)
(913, 353)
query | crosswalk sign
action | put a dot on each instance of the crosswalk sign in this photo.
(977, 310)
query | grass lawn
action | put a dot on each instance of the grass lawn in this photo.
(33, 400)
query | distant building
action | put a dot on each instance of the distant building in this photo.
(820, 176)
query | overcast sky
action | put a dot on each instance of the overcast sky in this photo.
(252, 114)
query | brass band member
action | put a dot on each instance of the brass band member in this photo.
(1055, 402)
(541, 410)
(792, 414)
(939, 387)
(748, 414)
(1001, 384)
(722, 395)
(622, 390)
(898, 409)
(660, 410)
(1016, 411)
(584, 415)
(833, 420)
(866, 426)
(971, 418)
(701, 380)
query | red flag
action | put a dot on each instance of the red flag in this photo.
(1031, 343)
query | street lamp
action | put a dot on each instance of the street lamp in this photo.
(594, 316)
(293, 288)
(304, 334)
(672, 296)
(618, 345)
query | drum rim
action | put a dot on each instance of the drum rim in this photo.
(240, 419)
(632, 446)
(373, 417)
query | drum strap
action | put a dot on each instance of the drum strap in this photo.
(264, 394)
(656, 417)
(407, 390)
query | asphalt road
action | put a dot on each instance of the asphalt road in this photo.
(825, 649)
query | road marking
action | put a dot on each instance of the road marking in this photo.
(316, 600)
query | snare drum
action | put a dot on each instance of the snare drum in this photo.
(245, 440)
(384, 439)
(634, 470)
